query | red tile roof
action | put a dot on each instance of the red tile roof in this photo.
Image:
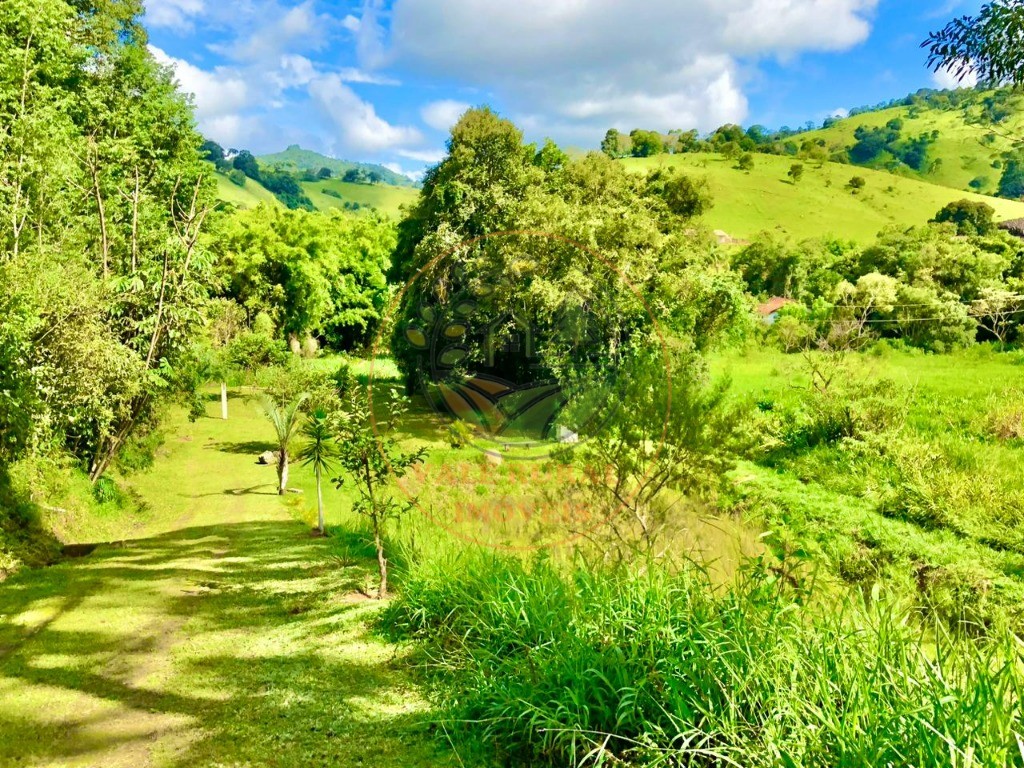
(773, 305)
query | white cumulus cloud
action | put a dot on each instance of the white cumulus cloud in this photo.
(948, 80)
(280, 30)
(217, 93)
(586, 65)
(396, 168)
(173, 14)
(442, 115)
(357, 122)
(430, 156)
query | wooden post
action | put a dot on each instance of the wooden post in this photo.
(224, 400)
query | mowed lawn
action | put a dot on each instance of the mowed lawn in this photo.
(219, 633)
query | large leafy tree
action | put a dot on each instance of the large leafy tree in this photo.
(611, 237)
(102, 196)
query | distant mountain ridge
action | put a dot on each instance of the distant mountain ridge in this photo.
(299, 159)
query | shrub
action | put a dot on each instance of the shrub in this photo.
(286, 384)
(23, 541)
(970, 218)
(1004, 416)
(344, 380)
(253, 350)
(843, 409)
(959, 596)
(139, 450)
(105, 491)
(856, 183)
(914, 503)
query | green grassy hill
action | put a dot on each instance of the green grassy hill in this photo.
(968, 144)
(297, 158)
(765, 199)
(384, 197)
(249, 196)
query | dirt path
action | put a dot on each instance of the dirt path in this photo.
(224, 635)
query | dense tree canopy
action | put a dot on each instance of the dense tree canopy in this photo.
(103, 194)
(629, 226)
(319, 274)
(970, 218)
(935, 286)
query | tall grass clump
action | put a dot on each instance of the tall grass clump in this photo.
(646, 666)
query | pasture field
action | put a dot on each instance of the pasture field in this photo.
(819, 205)
(249, 196)
(385, 198)
(216, 600)
(928, 502)
(966, 145)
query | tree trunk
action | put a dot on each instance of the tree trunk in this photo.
(224, 400)
(382, 563)
(319, 503)
(282, 472)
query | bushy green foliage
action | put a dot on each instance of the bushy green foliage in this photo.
(644, 143)
(311, 273)
(1011, 182)
(652, 667)
(252, 350)
(23, 540)
(106, 194)
(286, 188)
(888, 148)
(490, 183)
(285, 384)
(459, 434)
(987, 43)
(970, 218)
(932, 286)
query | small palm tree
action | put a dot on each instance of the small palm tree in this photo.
(285, 420)
(317, 452)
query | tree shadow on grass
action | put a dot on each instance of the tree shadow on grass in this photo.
(231, 644)
(248, 447)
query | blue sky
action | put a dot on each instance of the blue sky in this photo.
(382, 80)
